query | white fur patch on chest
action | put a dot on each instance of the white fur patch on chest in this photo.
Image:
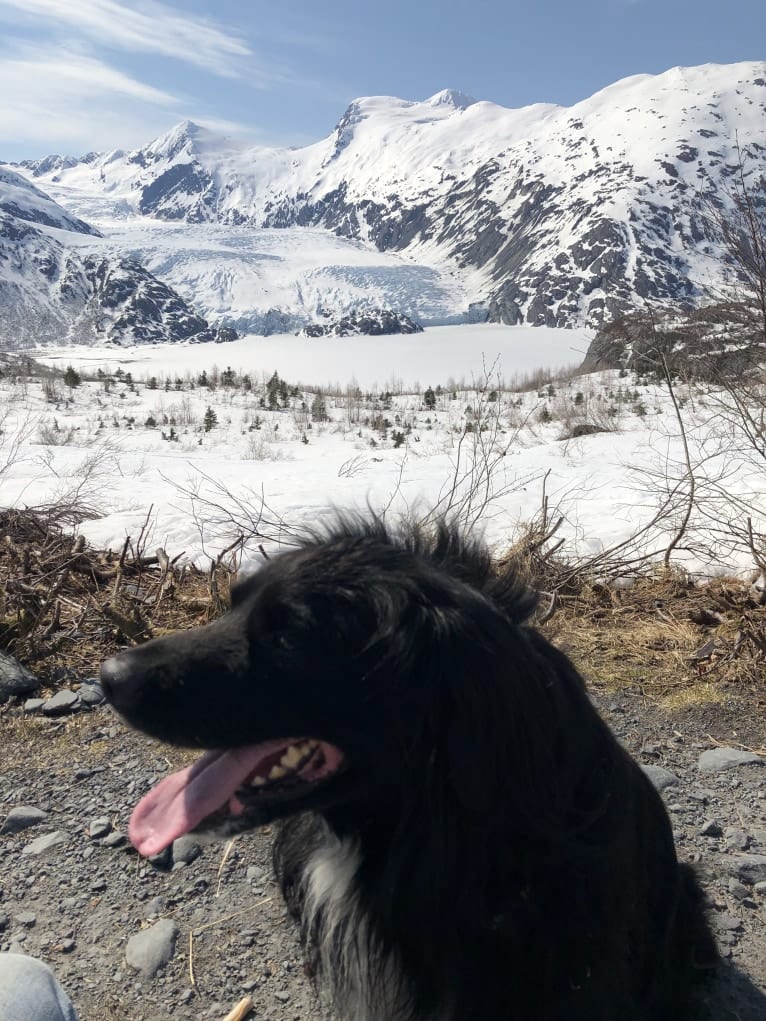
(363, 984)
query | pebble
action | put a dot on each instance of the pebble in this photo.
(711, 829)
(99, 827)
(42, 845)
(715, 760)
(64, 701)
(114, 839)
(161, 859)
(91, 693)
(185, 850)
(661, 778)
(750, 868)
(21, 818)
(736, 840)
(738, 890)
(151, 949)
(15, 679)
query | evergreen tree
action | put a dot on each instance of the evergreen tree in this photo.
(272, 391)
(429, 399)
(210, 421)
(319, 408)
(72, 377)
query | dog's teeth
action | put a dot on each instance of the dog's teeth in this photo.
(292, 757)
(258, 781)
(277, 772)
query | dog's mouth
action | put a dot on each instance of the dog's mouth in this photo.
(230, 781)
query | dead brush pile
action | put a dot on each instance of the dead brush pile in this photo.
(675, 640)
(66, 607)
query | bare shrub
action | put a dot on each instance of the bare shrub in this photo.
(258, 448)
(52, 435)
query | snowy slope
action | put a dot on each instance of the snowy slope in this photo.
(53, 288)
(550, 215)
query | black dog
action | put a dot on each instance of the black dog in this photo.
(464, 839)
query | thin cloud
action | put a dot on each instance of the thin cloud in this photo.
(62, 96)
(148, 27)
(57, 71)
(72, 102)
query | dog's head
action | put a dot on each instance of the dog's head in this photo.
(322, 686)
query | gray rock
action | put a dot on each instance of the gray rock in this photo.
(91, 692)
(34, 705)
(64, 701)
(738, 890)
(749, 868)
(711, 829)
(28, 919)
(15, 679)
(736, 840)
(715, 760)
(3, 922)
(186, 850)
(661, 778)
(726, 923)
(42, 845)
(99, 827)
(151, 949)
(21, 818)
(114, 839)
(161, 860)
(154, 907)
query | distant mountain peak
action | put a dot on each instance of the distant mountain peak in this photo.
(185, 133)
(451, 97)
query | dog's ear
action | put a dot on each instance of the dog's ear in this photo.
(494, 718)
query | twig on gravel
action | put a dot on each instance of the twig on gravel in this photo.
(730, 744)
(211, 925)
(226, 853)
(241, 1011)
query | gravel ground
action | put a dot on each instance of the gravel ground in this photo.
(80, 900)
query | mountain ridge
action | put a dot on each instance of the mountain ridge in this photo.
(550, 215)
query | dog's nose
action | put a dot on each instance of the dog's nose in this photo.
(115, 672)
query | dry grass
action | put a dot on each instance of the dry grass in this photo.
(678, 643)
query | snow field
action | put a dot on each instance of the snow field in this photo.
(103, 442)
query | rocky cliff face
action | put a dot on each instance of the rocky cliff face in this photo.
(52, 291)
(373, 322)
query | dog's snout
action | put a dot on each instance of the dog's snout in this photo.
(116, 674)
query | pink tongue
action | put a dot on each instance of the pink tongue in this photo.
(182, 800)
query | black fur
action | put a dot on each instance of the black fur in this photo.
(514, 862)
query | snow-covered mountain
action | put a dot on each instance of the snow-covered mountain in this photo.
(546, 214)
(53, 290)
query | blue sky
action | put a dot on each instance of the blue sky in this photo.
(77, 75)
